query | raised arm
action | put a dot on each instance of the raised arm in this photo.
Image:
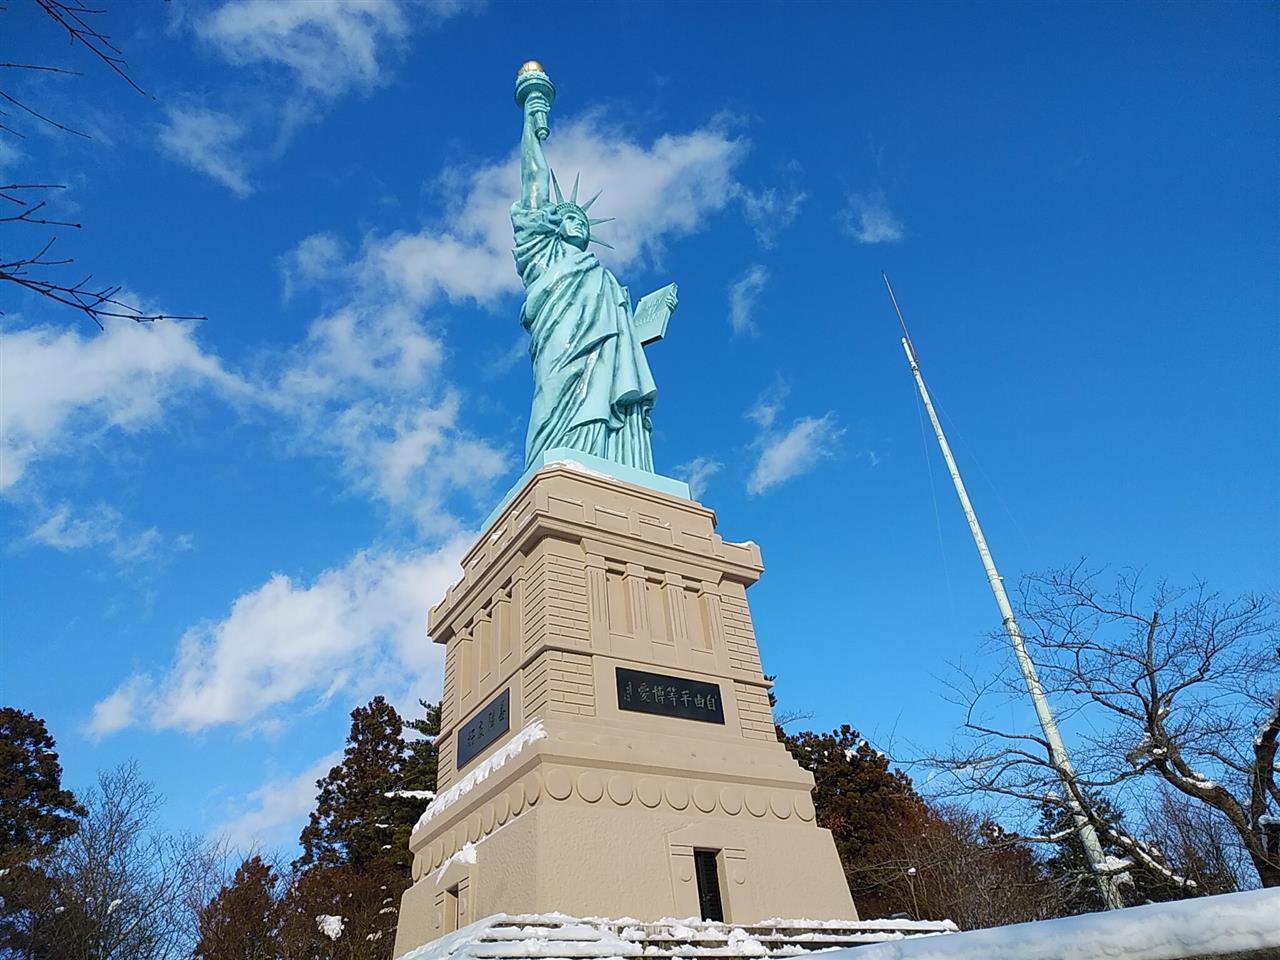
(535, 180)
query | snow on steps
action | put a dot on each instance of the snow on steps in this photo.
(541, 937)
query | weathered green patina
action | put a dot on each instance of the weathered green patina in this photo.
(592, 388)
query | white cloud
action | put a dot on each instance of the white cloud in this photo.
(60, 391)
(353, 629)
(295, 58)
(868, 219)
(368, 386)
(765, 410)
(742, 298)
(698, 473)
(771, 211)
(784, 454)
(276, 807)
(121, 708)
(65, 528)
(794, 452)
(9, 155)
(507, 360)
(370, 383)
(658, 191)
(327, 45)
(315, 259)
(209, 142)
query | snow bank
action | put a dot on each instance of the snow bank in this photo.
(1244, 925)
(491, 764)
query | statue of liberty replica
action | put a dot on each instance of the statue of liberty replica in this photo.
(606, 744)
(593, 391)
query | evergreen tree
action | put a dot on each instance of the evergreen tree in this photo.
(858, 798)
(419, 771)
(36, 814)
(242, 921)
(352, 822)
(355, 860)
(337, 913)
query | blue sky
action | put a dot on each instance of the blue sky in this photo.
(220, 536)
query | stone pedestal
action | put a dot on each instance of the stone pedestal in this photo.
(604, 693)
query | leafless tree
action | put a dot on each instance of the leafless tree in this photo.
(958, 864)
(1172, 688)
(1197, 841)
(120, 888)
(24, 207)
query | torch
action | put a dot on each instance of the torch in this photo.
(535, 93)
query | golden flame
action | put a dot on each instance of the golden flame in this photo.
(529, 66)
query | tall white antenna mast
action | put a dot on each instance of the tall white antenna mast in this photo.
(1057, 749)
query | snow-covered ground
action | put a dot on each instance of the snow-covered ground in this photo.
(556, 936)
(1238, 925)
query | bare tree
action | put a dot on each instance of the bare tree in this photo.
(959, 864)
(1177, 688)
(120, 888)
(24, 207)
(1197, 840)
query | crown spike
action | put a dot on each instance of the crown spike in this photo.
(587, 206)
(556, 183)
(601, 242)
(601, 220)
(573, 197)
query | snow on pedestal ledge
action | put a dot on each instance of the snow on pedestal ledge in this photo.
(512, 748)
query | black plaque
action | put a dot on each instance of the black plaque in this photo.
(493, 720)
(669, 696)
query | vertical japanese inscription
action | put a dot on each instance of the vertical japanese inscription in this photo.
(492, 721)
(669, 696)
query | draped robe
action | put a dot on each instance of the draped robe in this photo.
(592, 389)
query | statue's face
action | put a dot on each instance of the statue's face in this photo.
(575, 230)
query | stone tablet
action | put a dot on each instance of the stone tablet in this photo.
(493, 720)
(669, 696)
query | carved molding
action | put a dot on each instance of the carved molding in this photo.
(563, 784)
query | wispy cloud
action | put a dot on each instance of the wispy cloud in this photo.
(101, 525)
(60, 391)
(275, 811)
(317, 258)
(297, 57)
(209, 142)
(794, 451)
(351, 630)
(503, 362)
(764, 412)
(742, 299)
(770, 211)
(698, 473)
(868, 219)
(329, 46)
(783, 454)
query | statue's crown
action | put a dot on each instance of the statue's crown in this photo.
(571, 205)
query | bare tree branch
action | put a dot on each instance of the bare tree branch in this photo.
(1179, 688)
